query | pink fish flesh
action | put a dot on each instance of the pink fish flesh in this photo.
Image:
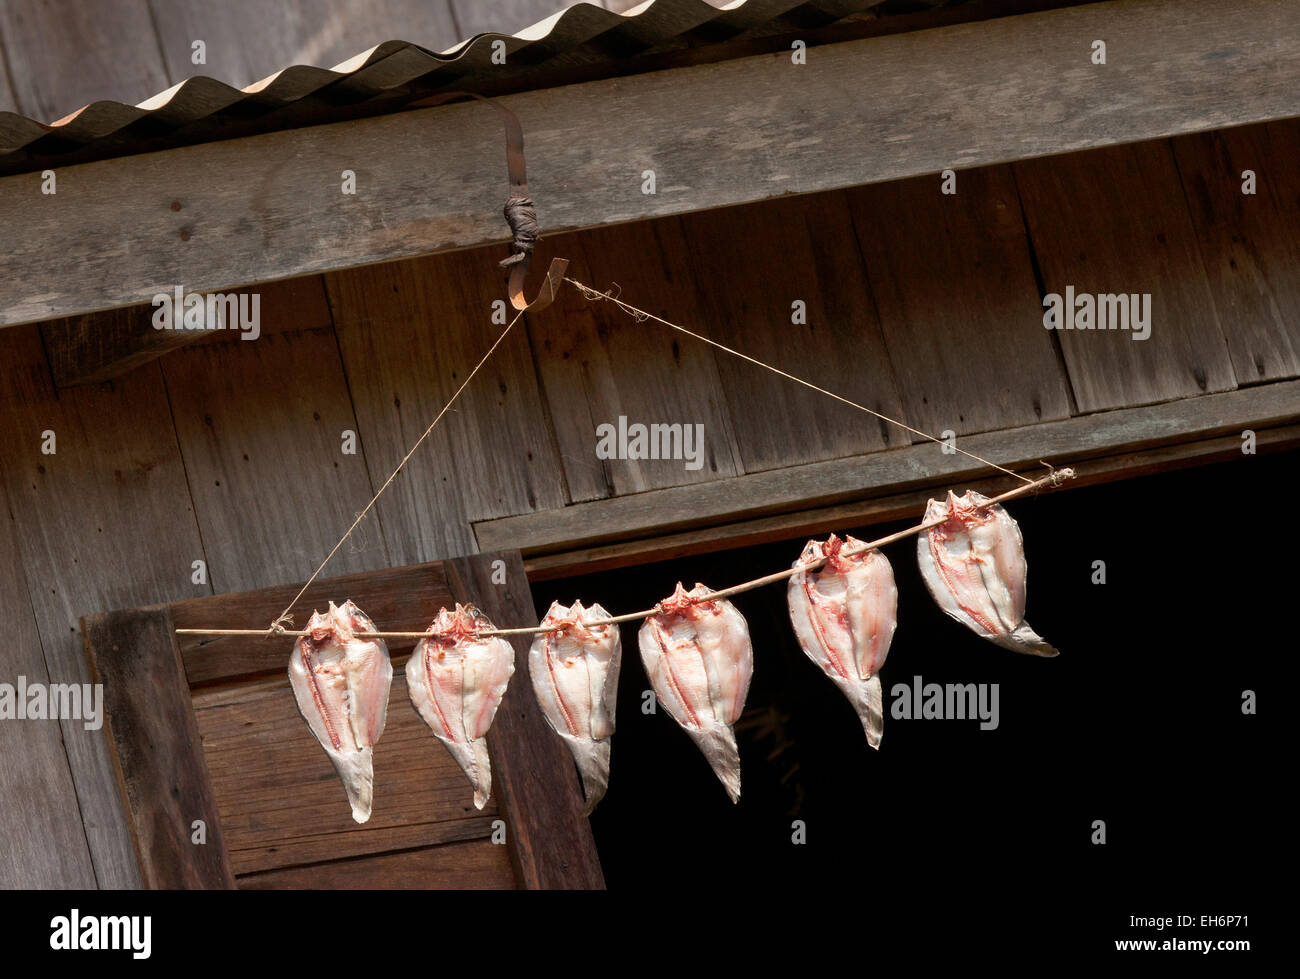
(974, 566)
(575, 677)
(456, 680)
(341, 684)
(697, 653)
(844, 615)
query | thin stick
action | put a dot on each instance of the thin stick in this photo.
(1057, 477)
(277, 627)
(641, 314)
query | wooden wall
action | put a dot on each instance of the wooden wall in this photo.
(920, 305)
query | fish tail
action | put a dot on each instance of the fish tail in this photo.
(357, 771)
(592, 758)
(480, 773)
(1025, 640)
(868, 700)
(472, 757)
(718, 742)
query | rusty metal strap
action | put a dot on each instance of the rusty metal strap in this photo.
(520, 211)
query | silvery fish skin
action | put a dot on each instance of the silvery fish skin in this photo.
(575, 677)
(844, 615)
(341, 684)
(697, 654)
(456, 680)
(974, 566)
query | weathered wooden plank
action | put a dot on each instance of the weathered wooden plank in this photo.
(401, 599)
(747, 292)
(282, 803)
(1104, 223)
(597, 364)
(410, 332)
(100, 346)
(248, 40)
(1249, 242)
(473, 865)
(829, 483)
(533, 775)
(270, 207)
(157, 753)
(64, 54)
(104, 522)
(819, 521)
(40, 821)
(954, 287)
(261, 427)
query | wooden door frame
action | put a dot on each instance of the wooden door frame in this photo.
(158, 753)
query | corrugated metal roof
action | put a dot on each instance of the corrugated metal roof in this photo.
(577, 43)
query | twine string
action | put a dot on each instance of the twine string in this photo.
(278, 627)
(284, 618)
(1055, 478)
(640, 315)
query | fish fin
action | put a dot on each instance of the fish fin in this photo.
(357, 771)
(1025, 640)
(592, 758)
(718, 742)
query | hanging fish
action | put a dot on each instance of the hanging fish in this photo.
(974, 566)
(575, 677)
(844, 616)
(456, 680)
(697, 653)
(341, 684)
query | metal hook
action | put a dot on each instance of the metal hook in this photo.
(519, 211)
(546, 294)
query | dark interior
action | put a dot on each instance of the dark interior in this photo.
(1137, 723)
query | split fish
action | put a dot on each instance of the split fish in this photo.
(974, 566)
(844, 615)
(575, 677)
(456, 680)
(697, 653)
(341, 684)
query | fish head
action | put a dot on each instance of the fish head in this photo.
(678, 601)
(349, 620)
(836, 561)
(812, 551)
(463, 623)
(321, 625)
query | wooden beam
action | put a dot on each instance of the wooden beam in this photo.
(156, 749)
(97, 347)
(898, 506)
(822, 484)
(221, 215)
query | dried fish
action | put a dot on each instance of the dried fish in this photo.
(456, 680)
(697, 653)
(575, 677)
(844, 615)
(974, 566)
(341, 684)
